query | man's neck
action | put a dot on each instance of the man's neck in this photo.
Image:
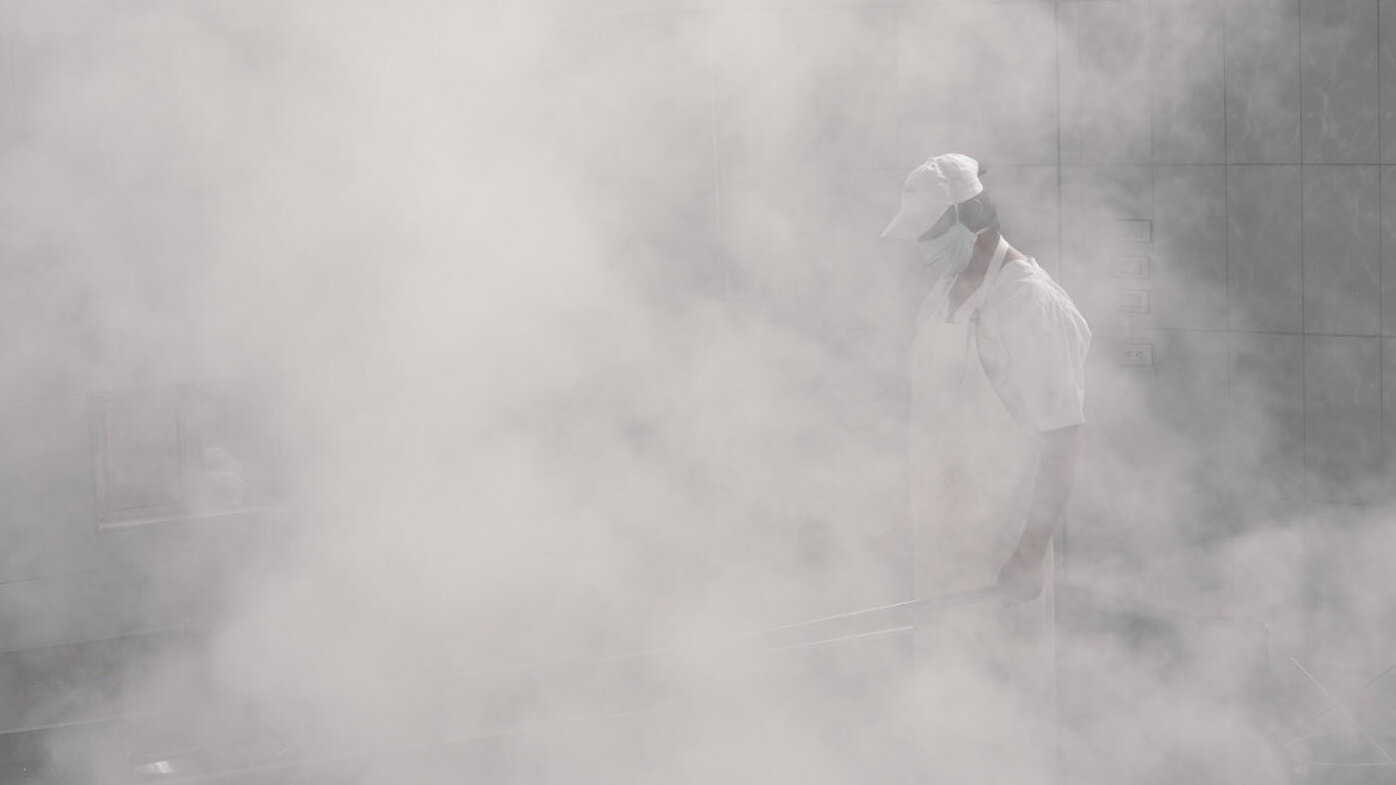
(973, 276)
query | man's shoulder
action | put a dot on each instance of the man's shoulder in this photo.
(1023, 282)
(1027, 291)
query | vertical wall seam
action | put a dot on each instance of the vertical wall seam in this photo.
(1061, 213)
(719, 224)
(1381, 263)
(1060, 566)
(1151, 73)
(1061, 232)
(1303, 265)
(1226, 210)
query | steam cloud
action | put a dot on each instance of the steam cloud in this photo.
(580, 342)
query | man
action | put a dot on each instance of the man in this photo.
(998, 388)
(998, 391)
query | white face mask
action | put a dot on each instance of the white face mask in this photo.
(949, 253)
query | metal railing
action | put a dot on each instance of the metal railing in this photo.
(873, 623)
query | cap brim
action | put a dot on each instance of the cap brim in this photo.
(908, 225)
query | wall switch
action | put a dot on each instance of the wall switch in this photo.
(1135, 354)
(1132, 266)
(1137, 230)
(1133, 301)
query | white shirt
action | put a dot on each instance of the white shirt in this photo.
(987, 381)
(1030, 338)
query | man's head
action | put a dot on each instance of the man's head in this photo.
(978, 213)
(937, 194)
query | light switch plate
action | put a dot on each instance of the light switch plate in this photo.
(1133, 301)
(1137, 230)
(1132, 266)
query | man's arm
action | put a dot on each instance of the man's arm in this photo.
(1022, 577)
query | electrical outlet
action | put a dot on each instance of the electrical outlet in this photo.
(1135, 354)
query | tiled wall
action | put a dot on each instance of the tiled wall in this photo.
(1268, 228)
(1248, 133)
(1266, 175)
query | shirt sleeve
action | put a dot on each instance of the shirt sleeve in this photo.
(1046, 340)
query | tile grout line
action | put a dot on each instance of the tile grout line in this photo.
(1243, 331)
(716, 150)
(1226, 207)
(1060, 566)
(1384, 454)
(1009, 164)
(1061, 230)
(1150, 29)
(1059, 545)
(1303, 321)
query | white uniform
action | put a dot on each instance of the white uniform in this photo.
(987, 381)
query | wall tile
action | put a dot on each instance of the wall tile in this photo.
(1264, 211)
(1027, 198)
(31, 753)
(858, 88)
(1187, 406)
(1388, 249)
(963, 88)
(771, 230)
(1124, 191)
(28, 610)
(1342, 216)
(1189, 96)
(1342, 415)
(1020, 64)
(766, 103)
(865, 201)
(21, 522)
(95, 605)
(1115, 96)
(1190, 393)
(1070, 87)
(1072, 206)
(1188, 257)
(1262, 81)
(927, 93)
(648, 169)
(1349, 635)
(48, 486)
(1388, 409)
(166, 673)
(1386, 75)
(1265, 433)
(1339, 63)
(1115, 199)
(59, 684)
(869, 286)
(186, 591)
(1104, 521)
(650, 74)
(43, 296)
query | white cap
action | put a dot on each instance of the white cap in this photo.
(930, 189)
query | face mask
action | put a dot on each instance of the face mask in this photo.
(949, 253)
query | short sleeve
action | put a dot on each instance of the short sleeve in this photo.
(1046, 341)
